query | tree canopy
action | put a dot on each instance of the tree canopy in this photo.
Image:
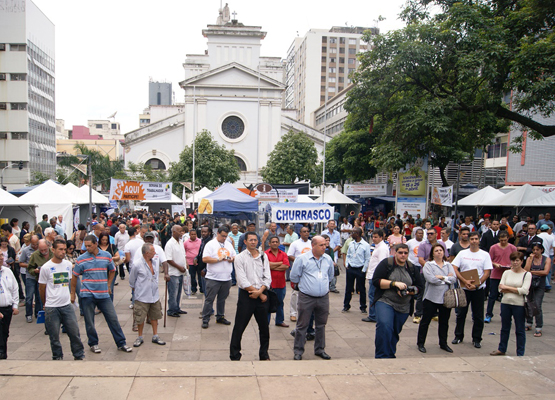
(293, 159)
(448, 82)
(214, 164)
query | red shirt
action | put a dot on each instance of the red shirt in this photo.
(501, 256)
(278, 277)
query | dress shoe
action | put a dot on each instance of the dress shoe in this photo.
(283, 325)
(368, 319)
(223, 321)
(182, 312)
(334, 291)
(446, 348)
(478, 345)
(323, 355)
(421, 349)
(456, 341)
(205, 325)
(293, 318)
(3, 356)
(174, 314)
(310, 337)
(496, 353)
(345, 309)
(364, 311)
(297, 357)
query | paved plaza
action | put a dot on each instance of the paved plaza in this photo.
(195, 362)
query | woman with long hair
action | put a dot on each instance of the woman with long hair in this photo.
(538, 265)
(105, 245)
(394, 239)
(79, 236)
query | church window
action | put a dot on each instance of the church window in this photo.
(241, 163)
(156, 164)
(233, 127)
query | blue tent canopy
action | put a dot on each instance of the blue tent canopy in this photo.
(231, 200)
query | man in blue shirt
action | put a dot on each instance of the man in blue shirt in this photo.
(358, 257)
(312, 273)
(97, 269)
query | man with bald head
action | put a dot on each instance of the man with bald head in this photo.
(37, 260)
(97, 229)
(311, 275)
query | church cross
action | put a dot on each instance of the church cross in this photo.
(234, 14)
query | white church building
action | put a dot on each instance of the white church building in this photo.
(231, 91)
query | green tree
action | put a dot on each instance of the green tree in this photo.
(214, 165)
(38, 177)
(439, 86)
(293, 159)
(141, 172)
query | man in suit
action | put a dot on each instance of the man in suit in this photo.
(526, 243)
(490, 237)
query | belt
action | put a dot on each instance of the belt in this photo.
(350, 266)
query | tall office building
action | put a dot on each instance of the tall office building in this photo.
(319, 65)
(27, 121)
(160, 94)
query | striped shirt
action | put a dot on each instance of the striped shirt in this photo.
(95, 273)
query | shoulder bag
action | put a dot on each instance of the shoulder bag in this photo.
(454, 297)
(531, 308)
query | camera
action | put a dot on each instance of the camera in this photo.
(409, 291)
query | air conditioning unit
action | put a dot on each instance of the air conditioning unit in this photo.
(2, 77)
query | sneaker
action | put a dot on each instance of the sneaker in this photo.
(368, 319)
(364, 311)
(125, 348)
(293, 332)
(416, 320)
(487, 320)
(96, 349)
(131, 306)
(223, 321)
(345, 309)
(204, 325)
(79, 358)
(29, 319)
(138, 342)
(293, 319)
(156, 339)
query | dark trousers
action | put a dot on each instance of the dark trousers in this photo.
(196, 278)
(5, 329)
(537, 296)
(517, 312)
(475, 300)
(430, 309)
(246, 308)
(122, 269)
(32, 292)
(16, 275)
(492, 296)
(389, 324)
(221, 290)
(355, 275)
(307, 305)
(56, 317)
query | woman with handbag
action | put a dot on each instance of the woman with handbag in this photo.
(515, 284)
(439, 275)
(538, 265)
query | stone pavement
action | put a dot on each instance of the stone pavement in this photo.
(352, 373)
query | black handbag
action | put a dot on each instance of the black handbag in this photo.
(272, 300)
(531, 308)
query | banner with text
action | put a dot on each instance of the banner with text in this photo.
(279, 196)
(412, 205)
(379, 189)
(443, 196)
(301, 212)
(139, 191)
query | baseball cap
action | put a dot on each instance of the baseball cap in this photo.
(149, 234)
(544, 227)
(487, 215)
(251, 223)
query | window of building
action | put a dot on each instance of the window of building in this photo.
(341, 70)
(322, 98)
(98, 126)
(18, 106)
(114, 126)
(333, 49)
(156, 164)
(333, 59)
(342, 40)
(351, 70)
(323, 68)
(17, 47)
(331, 89)
(241, 163)
(339, 89)
(331, 79)
(19, 135)
(352, 41)
(333, 40)
(2, 46)
(324, 39)
(342, 50)
(332, 70)
(497, 150)
(18, 77)
(324, 49)
(2, 77)
(233, 127)
(351, 60)
(145, 121)
(341, 79)
(322, 88)
(3, 135)
(341, 60)
(323, 59)
(352, 50)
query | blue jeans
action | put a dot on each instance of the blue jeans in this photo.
(280, 316)
(492, 297)
(371, 308)
(175, 286)
(388, 327)
(519, 315)
(106, 306)
(54, 318)
(32, 290)
(548, 277)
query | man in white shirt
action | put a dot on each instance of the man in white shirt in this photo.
(218, 255)
(54, 281)
(381, 251)
(414, 243)
(445, 233)
(61, 223)
(131, 249)
(9, 300)
(121, 238)
(177, 268)
(297, 248)
(472, 258)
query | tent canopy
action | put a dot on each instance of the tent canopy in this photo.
(97, 198)
(51, 199)
(334, 196)
(485, 194)
(304, 198)
(547, 200)
(202, 193)
(517, 198)
(77, 197)
(229, 199)
(8, 199)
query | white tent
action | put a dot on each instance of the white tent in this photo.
(51, 199)
(13, 207)
(333, 196)
(486, 194)
(517, 198)
(77, 197)
(199, 195)
(303, 198)
(547, 200)
(97, 198)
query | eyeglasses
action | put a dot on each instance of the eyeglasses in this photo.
(431, 233)
(403, 252)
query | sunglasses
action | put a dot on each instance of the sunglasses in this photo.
(402, 252)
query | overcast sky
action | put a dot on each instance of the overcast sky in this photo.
(107, 50)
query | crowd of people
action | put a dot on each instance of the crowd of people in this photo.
(395, 267)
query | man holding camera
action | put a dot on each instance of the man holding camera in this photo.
(396, 281)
